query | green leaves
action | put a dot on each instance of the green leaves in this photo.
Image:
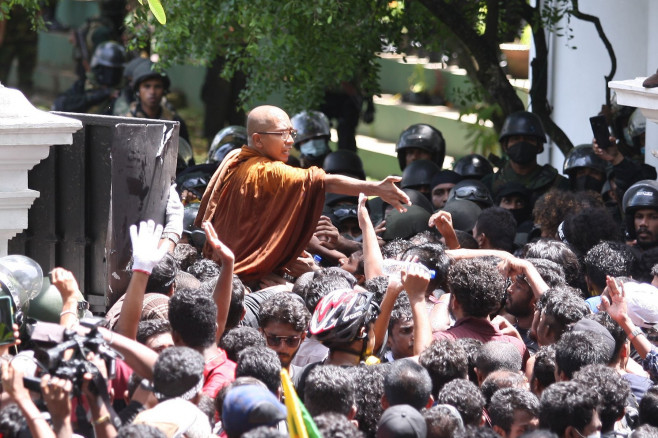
(157, 10)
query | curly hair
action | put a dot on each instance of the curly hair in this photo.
(612, 388)
(577, 349)
(433, 256)
(12, 421)
(508, 400)
(609, 258)
(648, 407)
(204, 269)
(336, 425)
(193, 316)
(499, 225)
(466, 397)
(549, 271)
(499, 380)
(586, 228)
(544, 368)
(564, 304)
(471, 347)
(322, 283)
(185, 255)
(139, 431)
(401, 311)
(407, 383)
(262, 363)
(395, 247)
(151, 327)
(329, 388)
(566, 404)
(477, 285)
(369, 381)
(551, 209)
(177, 371)
(236, 306)
(498, 355)
(284, 308)
(238, 338)
(163, 275)
(444, 360)
(559, 253)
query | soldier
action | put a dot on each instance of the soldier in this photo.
(18, 40)
(150, 87)
(420, 142)
(522, 139)
(97, 92)
(313, 136)
(641, 209)
(586, 170)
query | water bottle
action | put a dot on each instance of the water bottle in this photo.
(393, 269)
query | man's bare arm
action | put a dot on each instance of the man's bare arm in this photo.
(385, 189)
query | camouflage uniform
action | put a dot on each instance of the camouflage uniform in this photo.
(166, 113)
(20, 42)
(86, 96)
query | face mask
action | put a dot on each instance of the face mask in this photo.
(587, 182)
(522, 152)
(314, 148)
(520, 215)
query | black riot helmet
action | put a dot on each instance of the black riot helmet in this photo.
(473, 166)
(107, 63)
(229, 138)
(344, 162)
(145, 71)
(583, 157)
(419, 173)
(523, 123)
(641, 195)
(424, 137)
(472, 190)
(313, 133)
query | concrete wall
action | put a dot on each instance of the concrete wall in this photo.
(577, 84)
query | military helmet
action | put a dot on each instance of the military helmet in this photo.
(424, 137)
(109, 54)
(473, 166)
(144, 71)
(583, 156)
(419, 173)
(344, 162)
(47, 305)
(637, 125)
(523, 123)
(229, 138)
(641, 195)
(472, 190)
(310, 124)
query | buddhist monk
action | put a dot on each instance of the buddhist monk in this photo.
(266, 211)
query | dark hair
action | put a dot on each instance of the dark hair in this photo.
(612, 388)
(471, 346)
(477, 285)
(239, 381)
(444, 360)
(549, 271)
(564, 304)
(508, 400)
(369, 385)
(239, 338)
(609, 258)
(497, 355)
(150, 328)
(401, 311)
(614, 328)
(395, 247)
(264, 432)
(466, 240)
(407, 383)
(207, 405)
(574, 350)
(163, 275)
(427, 236)
(501, 379)
(332, 424)
(539, 433)
(433, 257)
(648, 409)
(645, 431)
(466, 397)
(499, 226)
(186, 280)
(284, 308)
(177, 371)
(588, 227)
(204, 269)
(566, 404)
(323, 282)
(329, 388)
(551, 208)
(193, 316)
(262, 363)
(12, 421)
(473, 431)
(544, 368)
(559, 253)
(441, 422)
(236, 306)
(140, 431)
(185, 255)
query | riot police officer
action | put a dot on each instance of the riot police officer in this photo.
(473, 166)
(230, 138)
(585, 169)
(344, 162)
(418, 175)
(420, 142)
(97, 92)
(522, 139)
(313, 134)
(640, 204)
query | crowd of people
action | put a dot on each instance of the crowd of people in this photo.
(494, 301)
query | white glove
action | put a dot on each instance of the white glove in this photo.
(146, 253)
(174, 214)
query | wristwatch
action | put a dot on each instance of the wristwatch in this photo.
(171, 236)
(637, 331)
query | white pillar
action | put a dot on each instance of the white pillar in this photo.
(26, 135)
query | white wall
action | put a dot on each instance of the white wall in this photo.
(576, 79)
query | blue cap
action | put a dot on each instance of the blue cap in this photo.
(246, 407)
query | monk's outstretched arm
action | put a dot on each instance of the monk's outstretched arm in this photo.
(385, 189)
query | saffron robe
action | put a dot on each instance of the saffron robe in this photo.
(265, 211)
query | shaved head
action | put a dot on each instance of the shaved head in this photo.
(265, 118)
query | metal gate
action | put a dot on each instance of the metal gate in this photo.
(117, 172)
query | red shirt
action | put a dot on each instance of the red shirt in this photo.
(218, 371)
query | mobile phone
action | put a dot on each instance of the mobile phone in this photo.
(601, 132)
(6, 321)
